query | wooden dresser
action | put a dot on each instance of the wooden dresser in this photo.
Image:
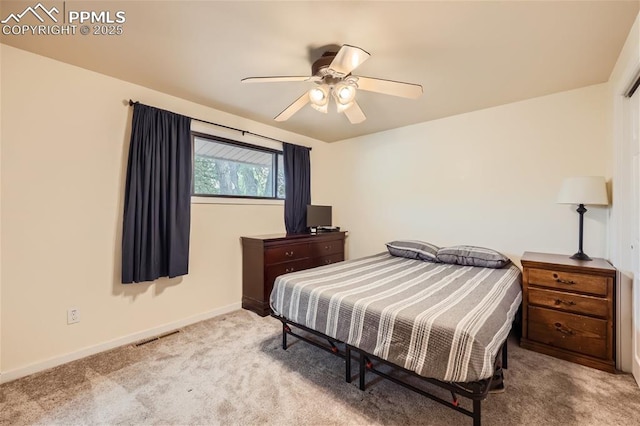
(568, 309)
(265, 257)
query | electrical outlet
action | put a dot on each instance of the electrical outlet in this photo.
(73, 315)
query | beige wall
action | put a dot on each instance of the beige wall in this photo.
(64, 138)
(487, 178)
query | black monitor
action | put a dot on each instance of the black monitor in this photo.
(318, 216)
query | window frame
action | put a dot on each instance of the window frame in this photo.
(236, 143)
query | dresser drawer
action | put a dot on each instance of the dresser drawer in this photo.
(328, 260)
(568, 331)
(325, 248)
(592, 284)
(284, 268)
(569, 302)
(286, 253)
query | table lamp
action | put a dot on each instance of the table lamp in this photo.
(583, 190)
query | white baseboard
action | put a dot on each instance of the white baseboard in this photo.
(36, 367)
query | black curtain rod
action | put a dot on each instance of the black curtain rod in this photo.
(244, 132)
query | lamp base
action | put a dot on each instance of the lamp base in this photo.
(580, 256)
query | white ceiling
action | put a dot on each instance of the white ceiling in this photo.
(467, 55)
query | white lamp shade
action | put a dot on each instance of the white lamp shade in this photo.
(590, 190)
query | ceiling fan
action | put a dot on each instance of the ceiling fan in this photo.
(333, 78)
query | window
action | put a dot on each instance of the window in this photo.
(227, 168)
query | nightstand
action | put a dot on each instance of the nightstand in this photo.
(568, 308)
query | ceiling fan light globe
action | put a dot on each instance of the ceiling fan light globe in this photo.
(316, 95)
(319, 96)
(345, 93)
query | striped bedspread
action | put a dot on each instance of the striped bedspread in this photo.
(441, 321)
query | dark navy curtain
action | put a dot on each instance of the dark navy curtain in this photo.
(297, 177)
(157, 204)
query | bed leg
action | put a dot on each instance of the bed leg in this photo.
(504, 355)
(347, 360)
(362, 371)
(476, 412)
(285, 328)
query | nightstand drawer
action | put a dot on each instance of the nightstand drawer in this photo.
(568, 331)
(592, 284)
(569, 302)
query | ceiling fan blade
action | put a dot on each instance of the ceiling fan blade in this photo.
(275, 79)
(390, 87)
(347, 59)
(355, 114)
(293, 108)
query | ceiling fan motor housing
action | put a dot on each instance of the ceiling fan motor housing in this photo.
(320, 68)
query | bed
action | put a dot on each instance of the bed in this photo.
(443, 322)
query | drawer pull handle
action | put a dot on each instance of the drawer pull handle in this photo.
(288, 253)
(561, 281)
(287, 270)
(327, 247)
(562, 329)
(560, 301)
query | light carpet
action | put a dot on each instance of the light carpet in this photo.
(231, 370)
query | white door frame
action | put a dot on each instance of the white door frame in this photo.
(625, 226)
(634, 225)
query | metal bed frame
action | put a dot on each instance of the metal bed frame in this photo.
(475, 391)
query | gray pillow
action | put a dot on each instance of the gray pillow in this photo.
(413, 249)
(472, 256)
